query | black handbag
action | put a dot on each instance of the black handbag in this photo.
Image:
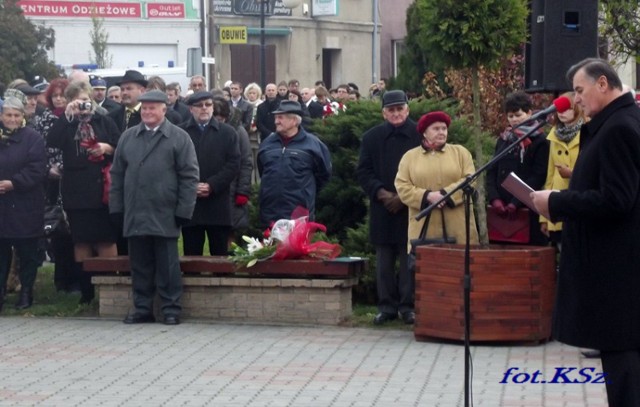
(422, 240)
(55, 220)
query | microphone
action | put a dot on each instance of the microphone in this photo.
(560, 105)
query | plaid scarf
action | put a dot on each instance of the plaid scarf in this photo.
(567, 133)
(85, 137)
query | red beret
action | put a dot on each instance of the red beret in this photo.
(430, 118)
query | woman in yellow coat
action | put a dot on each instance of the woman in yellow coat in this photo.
(426, 173)
(564, 139)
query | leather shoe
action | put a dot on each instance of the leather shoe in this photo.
(171, 320)
(409, 317)
(383, 317)
(139, 319)
(591, 354)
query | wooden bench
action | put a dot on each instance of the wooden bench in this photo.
(291, 291)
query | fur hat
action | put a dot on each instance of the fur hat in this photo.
(433, 117)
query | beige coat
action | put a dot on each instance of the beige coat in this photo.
(420, 171)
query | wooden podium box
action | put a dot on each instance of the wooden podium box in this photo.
(512, 292)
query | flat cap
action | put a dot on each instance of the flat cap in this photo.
(394, 98)
(198, 97)
(154, 96)
(28, 90)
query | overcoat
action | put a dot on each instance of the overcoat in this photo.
(218, 155)
(420, 171)
(153, 183)
(598, 293)
(23, 161)
(382, 148)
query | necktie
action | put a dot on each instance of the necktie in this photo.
(127, 116)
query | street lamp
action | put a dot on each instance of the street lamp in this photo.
(290, 4)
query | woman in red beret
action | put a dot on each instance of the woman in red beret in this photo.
(426, 173)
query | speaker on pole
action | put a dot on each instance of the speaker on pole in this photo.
(561, 33)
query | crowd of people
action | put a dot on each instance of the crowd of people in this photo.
(110, 157)
(137, 165)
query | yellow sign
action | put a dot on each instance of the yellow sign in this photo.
(233, 35)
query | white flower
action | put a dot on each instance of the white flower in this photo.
(253, 244)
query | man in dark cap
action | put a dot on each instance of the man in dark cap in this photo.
(381, 150)
(99, 96)
(218, 153)
(32, 100)
(293, 164)
(153, 193)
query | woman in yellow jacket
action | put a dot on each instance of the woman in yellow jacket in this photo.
(428, 172)
(564, 140)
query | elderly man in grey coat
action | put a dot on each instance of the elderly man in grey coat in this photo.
(153, 193)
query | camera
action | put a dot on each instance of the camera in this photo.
(84, 106)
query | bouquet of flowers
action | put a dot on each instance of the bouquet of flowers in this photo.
(286, 239)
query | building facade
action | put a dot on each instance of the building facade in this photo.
(330, 40)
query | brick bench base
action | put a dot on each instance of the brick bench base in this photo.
(298, 301)
(292, 292)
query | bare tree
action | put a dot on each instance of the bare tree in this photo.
(99, 43)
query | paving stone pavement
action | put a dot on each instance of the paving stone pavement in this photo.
(91, 362)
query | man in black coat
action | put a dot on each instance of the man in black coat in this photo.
(382, 148)
(265, 119)
(598, 293)
(218, 152)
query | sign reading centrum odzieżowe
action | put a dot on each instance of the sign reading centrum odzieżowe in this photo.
(248, 7)
(73, 8)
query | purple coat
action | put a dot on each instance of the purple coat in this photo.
(23, 161)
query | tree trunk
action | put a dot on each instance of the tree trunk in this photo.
(481, 209)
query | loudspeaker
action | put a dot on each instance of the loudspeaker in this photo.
(561, 33)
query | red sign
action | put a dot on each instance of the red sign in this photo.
(165, 10)
(80, 9)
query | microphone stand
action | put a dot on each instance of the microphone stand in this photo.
(468, 193)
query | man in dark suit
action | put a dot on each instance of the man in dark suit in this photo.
(175, 104)
(265, 120)
(597, 300)
(241, 104)
(218, 152)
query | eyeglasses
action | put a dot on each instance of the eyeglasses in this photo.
(201, 105)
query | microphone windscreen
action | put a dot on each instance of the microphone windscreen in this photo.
(562, 104)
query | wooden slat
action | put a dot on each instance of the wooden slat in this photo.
(336, 268)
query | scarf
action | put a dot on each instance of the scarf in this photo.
(85, 137)
(429, 147)
(5, 134)
(510, 135)
(567, 133)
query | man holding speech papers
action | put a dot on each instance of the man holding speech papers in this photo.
(598, 302)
